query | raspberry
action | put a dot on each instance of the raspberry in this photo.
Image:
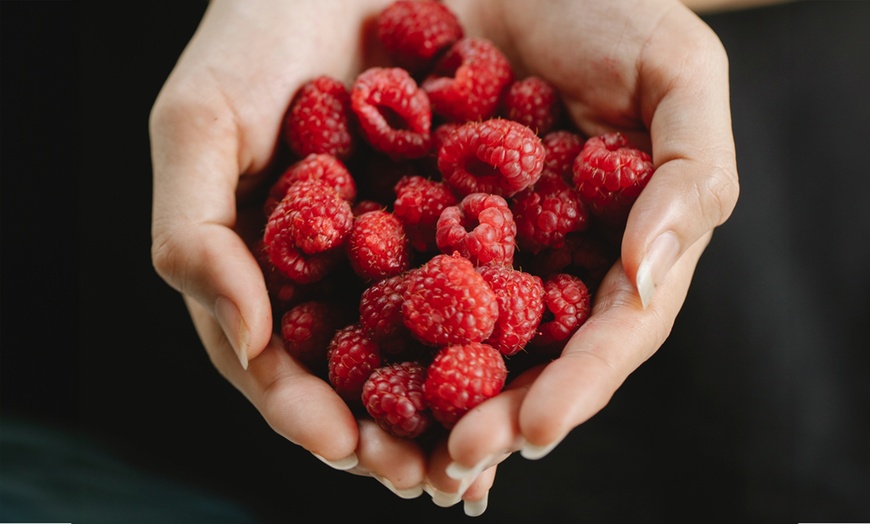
(610, 174)
(532, 102)
(460, 377)
(393, 396)
(377, 246)
(312, 218)
(561, 147)
(300, 267)
(415, 32)
(520, 297)
(324, 167)
(419, 202)
(448, 302)
(380, 313)
(466, 84)
(307, 329)
(546, 212)
(495, 156)
(566, 308)
(481, 228)
(351, 358)
(581, 254)
(283, 292)
(320, 120)
(393, 112)
(364, 206)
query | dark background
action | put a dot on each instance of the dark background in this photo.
(755, 410)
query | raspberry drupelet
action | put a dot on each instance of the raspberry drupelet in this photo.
(481, 228)
(495, 156)
(320, 120)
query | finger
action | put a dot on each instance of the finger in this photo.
(397, 463)
(296, 404)
(617, 338)
(447, 491)
(487, 434)
(194, 246)
(476, 498)
(694, 189)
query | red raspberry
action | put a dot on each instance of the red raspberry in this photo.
(567, 305)
(468, 81)
(324, 167)
(283, 292)
(582, 254)
(319, 119)
(495, 156)
(380, 314)
(377, 246)
(300, 267)
(610, 174)
(520, 297)
(351, 358)
(393, 396)
(307, 329)
(534, 103)
(448, 302)
(419, 202)
(364, 206)
(546, 212)
(393, 112)
(312, 218)
(481, 228)
(460, 377)
(561, 148)
(415, 32)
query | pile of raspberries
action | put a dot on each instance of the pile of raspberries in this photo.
(440, 225)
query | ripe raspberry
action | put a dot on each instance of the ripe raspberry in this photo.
(534, 103)
(481, 228)
(520, 297)
(419, 202)
(364, 206)
(351, 358)
(582, 254)
(283, 292)
(320, 120)
(307, 329)
(561, 148)
(495, 156)
(546, 212)
(312, 218)
(415, 32)
(468, 81)
(324, 167)
(567, 305)
(393, 112)
(380, 314)
(610, 174)
(377, 246)
(393, 396)
(460, 377)
(301, 267)
(448, 302)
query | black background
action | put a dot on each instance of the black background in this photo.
(755, 410)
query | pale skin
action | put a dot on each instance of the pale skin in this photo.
(648, 68)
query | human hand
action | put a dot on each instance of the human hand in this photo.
(655, 72)
(214, 128)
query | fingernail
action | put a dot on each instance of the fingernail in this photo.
(466, 475)
(658, 260)
(475, 508)
(230, 319)
(533, 452)
(344, 464)
(443, 498)
(409, 493)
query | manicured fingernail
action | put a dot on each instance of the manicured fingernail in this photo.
(442, 498)
(475, 508)
(533, 452)
(344, 464)
(658, 260)
(409, 493)
(466, 475)
(231, 322)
